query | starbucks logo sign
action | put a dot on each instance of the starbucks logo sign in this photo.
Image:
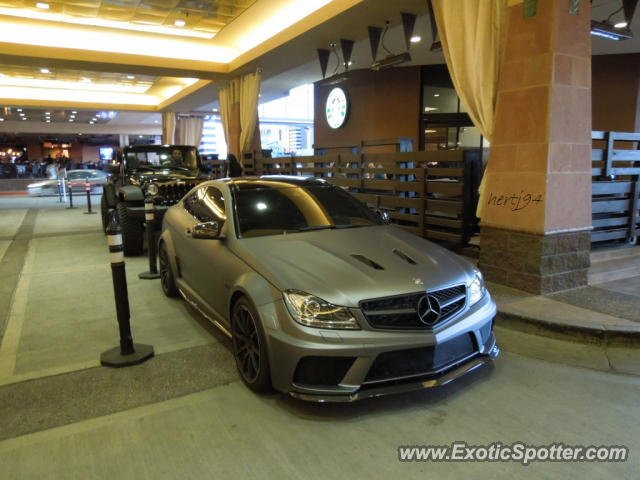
(337, 108)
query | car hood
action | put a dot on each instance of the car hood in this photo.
(346, 266)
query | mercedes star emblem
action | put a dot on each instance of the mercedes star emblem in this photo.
(428, 309)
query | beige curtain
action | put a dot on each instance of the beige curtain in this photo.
(249, 93)
(472, 35)
(190, 130)
(168, 127)
(226, 98)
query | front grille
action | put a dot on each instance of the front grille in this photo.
(420, 361)
(401, 312)
(172, 193)
(325, 371)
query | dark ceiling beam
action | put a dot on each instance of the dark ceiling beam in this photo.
(347, 47)
(629, 7)
(323, 56)
(374, 40)
(408, 22)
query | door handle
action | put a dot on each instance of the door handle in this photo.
(187, 233)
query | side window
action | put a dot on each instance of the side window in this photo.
(205, 204)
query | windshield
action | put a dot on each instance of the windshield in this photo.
(285, 208)
(163, 157)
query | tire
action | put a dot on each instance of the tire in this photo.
(104, 210)
(132, 230)
(167, 280)
(250, 347)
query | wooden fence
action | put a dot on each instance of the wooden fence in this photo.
(615, 186)
(431, 194)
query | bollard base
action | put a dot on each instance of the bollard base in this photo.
(113, 357)
(148, 275)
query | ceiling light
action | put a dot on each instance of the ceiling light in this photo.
(1, 119)
(42, 5)
(24, 118)
(436, 94)
(74, 112)
(179, 23)
(430, 109)
(71, 119)
(48, 121)
(47, 113)
(21, 114)
(139, 136)
(215, 110)
(156, 121)
(2, 74)
(91, 122)
(415, 39)
(622, 24)
(130, 77)
(19, 109)
(74, 85)
(606, 30)
(45, 70)
(85, 80)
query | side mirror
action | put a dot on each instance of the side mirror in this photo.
(208, 230)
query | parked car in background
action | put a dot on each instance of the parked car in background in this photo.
(76, 181)
(166, 172)
(321, 298)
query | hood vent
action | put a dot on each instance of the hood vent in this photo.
(404, 256)
(367, 261)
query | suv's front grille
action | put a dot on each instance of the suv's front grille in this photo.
(401, 312)
(172, 193)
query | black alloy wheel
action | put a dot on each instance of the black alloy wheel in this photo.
(249, 347)
(167, 281)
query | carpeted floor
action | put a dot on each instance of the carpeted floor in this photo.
(63, 399)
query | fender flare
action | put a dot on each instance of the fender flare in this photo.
(131, 193)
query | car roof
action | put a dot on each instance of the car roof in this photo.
(269, 181)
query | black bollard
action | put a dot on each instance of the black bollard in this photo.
(128, 353)
(149, 218)
(87, 188)
(70, 188)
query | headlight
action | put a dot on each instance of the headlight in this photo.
(476, 289)
(312, 311)
(152, 189)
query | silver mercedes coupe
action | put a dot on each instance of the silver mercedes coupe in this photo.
(321, 298)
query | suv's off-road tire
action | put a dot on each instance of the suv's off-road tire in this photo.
(132, 231)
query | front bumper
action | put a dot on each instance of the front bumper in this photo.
(372, 362)
(490, 352)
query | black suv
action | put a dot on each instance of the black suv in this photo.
(167, 172)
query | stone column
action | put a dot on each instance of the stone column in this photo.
(535, 228)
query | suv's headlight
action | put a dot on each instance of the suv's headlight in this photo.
(312, 311)
(476, 289)
(152, 189)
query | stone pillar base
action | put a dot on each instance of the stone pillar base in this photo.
(534, 263)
